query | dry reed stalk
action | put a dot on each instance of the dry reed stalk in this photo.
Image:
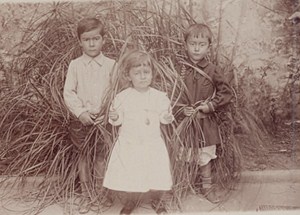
(34, 119)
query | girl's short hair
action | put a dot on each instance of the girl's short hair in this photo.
(135, 58)
(89, 24)
(196, 30)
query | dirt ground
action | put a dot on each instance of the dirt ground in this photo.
(282, 153)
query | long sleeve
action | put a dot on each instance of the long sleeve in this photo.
(70, 94)
(117, 106)
(223, 91)
(165, 105)
(87, 83)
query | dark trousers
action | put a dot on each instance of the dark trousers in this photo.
(87, 143)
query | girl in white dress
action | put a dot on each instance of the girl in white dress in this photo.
(139, 161)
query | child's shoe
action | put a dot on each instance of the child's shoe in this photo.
(84, 205)
(159, 206)
(208, 191)
(85, 201)
(210, 195)
(106, 198)
(87, 204)
(128, 208)
(108, 201)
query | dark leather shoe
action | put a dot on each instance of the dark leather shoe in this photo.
(210, 195)
(159, 207)
(127, 209)
(107, 202)
(84, 205)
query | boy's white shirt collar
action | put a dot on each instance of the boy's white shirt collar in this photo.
(98, 59)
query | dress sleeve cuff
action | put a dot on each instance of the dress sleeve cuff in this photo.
(116, 122)
(80, 111)
(163, 121)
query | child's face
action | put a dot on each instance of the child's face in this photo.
(91, 42)
(141, 76)
(197, 47)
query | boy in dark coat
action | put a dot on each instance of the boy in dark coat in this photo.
(206, 92)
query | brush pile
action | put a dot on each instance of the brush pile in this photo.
(34, 120)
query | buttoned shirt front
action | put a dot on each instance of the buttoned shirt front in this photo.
(200, 88)
(86, 83)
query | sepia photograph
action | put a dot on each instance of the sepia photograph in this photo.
(149, 107)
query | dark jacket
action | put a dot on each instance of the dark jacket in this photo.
(199, 89)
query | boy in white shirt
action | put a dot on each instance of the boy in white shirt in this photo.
(86, 82)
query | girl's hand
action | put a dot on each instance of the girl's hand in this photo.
(204, 108)
(188, 111)
(86, 118)
(168, 117)
(113, 115)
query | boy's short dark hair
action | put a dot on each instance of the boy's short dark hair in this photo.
(198, 29)
(89, 24)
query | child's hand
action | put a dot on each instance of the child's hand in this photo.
(168, 117)
(99, 120)
(86, 118)
(188, 111)
(113, 115)
(204, 108)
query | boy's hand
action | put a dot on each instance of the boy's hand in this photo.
(188, 111)
(204, 108)
(99, 120)
(86, 118)
(113, 115)
(168, 117)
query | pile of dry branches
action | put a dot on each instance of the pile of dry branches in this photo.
(34, 119)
